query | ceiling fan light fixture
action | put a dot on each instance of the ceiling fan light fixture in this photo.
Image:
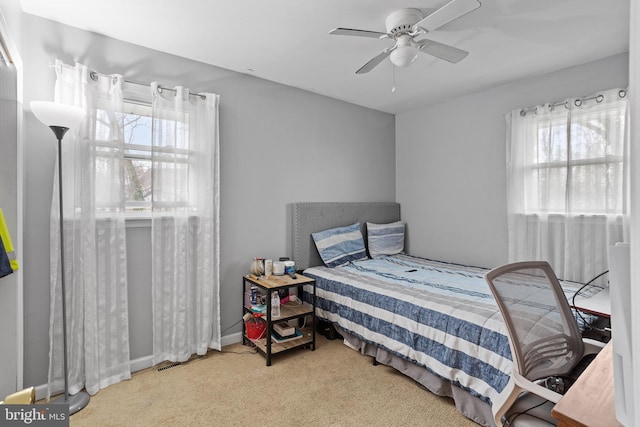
(402, 56)
(405, 25)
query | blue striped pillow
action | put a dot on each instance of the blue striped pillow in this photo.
(340, 246)
(385, 239)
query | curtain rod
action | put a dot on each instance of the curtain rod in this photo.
(94, 76)
(577, 102)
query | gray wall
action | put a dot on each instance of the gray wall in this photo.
(276, 145)
(451, 162)
(9, 205)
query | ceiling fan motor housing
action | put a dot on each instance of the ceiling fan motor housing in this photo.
(402, 21)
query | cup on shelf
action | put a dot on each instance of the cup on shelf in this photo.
(278, 268)
(289, 267)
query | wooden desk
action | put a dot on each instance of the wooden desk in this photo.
(590, 401)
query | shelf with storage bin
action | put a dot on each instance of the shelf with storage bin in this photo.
(290, 311)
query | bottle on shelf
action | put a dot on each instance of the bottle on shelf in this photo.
(275, 304)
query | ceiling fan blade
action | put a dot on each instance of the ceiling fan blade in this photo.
(359, 33)
(447, 13)
(442, 51)
(375, 61)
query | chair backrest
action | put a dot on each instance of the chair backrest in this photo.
(544, 335)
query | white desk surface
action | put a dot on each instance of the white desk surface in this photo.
(599, 304)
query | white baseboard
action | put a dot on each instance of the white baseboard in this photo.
(41, 392)
(143, 363)
(231, 339)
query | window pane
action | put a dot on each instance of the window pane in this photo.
(552, 142)
(546, 190)
(137, 129)
(137, 157)
(588, 140)
(137, 181)
(169, 176)
(593, 188)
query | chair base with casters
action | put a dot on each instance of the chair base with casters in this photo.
(529, 410)
(544, 338)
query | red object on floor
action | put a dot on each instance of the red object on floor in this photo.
(255, 328)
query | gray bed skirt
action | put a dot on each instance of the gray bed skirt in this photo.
(470, 406)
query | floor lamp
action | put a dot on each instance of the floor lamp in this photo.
(59, 118)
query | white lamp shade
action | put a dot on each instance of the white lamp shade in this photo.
(402, 56)
(56, 114)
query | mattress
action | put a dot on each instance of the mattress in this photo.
(437, 315)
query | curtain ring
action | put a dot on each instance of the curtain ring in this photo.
(93, 75)
(577, 102)
(599, 98)
(622, 93)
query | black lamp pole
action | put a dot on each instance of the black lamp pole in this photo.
(59, 131)
(81, 399)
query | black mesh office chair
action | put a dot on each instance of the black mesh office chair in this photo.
(545, 341)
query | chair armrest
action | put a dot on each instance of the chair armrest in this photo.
(592, 346)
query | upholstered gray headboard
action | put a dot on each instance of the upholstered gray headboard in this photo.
(317, 216)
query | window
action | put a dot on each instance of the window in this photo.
(576, 164)
(164, 172)
(170, 161)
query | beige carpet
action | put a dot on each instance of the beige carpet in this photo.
(331, 386)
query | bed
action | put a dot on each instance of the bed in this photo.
(434, 321)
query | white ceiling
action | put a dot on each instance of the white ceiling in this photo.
(287, 41)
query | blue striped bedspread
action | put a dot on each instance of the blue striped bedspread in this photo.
(438, 315)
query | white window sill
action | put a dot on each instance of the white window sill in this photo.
(138, 222)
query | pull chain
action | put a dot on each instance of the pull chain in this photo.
(393, 86)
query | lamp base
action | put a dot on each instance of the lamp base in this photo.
(77, 402)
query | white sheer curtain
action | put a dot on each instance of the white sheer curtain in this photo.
(94, 235)
(568, 172)
(185, 224)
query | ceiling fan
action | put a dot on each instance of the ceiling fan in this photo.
(405, 25)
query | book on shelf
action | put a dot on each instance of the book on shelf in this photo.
(280, 339)
(284, 329)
